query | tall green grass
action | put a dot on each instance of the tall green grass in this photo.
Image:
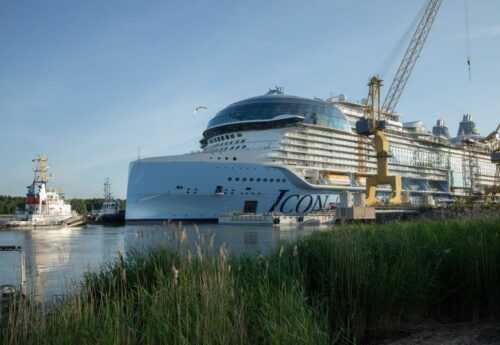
(340, 286)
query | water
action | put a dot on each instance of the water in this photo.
(57, 259)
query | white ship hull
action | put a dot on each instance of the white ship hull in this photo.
(187, 191)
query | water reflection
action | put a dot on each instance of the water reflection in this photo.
(57, 259)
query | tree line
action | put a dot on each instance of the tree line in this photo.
(84, 206)
(9, 204)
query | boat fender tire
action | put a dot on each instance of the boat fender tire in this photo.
(276, 220)
(300, 219)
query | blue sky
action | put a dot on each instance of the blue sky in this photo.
(87, 82)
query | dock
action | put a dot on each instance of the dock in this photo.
(278, 219)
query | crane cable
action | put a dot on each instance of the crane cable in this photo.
(467, 36)
(389, 60)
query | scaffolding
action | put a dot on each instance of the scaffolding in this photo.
(470, 168)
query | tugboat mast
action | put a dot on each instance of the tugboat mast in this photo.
(42, 169)
(107, 189)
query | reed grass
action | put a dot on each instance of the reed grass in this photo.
(340, 286)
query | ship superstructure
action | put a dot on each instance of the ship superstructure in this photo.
(110, 206)
(292, 155)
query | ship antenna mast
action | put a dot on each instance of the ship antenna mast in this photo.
(107, 189)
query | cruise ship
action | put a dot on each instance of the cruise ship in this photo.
(278, 153)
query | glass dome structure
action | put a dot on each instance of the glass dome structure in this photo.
(277, 106)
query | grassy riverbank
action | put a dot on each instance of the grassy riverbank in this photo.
(341, 286)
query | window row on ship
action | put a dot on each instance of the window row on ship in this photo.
(348, 167)
(413, 158)
(352, 157)
(224, 137)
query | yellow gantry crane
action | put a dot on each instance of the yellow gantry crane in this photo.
(375, 120)
(492, 141)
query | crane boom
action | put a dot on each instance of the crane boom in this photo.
(411, 55)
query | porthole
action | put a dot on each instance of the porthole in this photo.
(237, 179)
(244, 146)
(258, 180)
(271, 180)
(227, 137)
(264, 180)
(250, 179)
(229, 178)
(239, 134)
(227, 158)
(234, 158)
(244, 179)
(237, 147)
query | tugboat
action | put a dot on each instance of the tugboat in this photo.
(44, 207)
(110, 213)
